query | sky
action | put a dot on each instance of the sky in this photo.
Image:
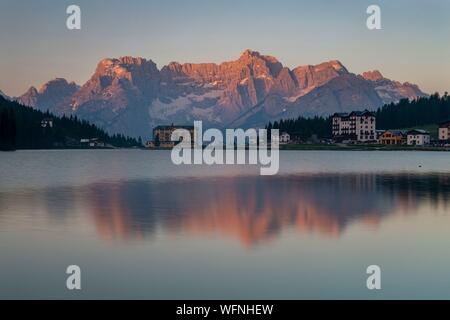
(36, 46)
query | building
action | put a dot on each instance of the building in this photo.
(296, 137)
(393, 137)
(47, 123)
(378, 134)
(285, 138)
(356, 126)
(418, 137)
(92, 143)
(162, 135)
(444, 131)
(96, 143)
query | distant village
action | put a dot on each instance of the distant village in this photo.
(354, 128)
(360, 127)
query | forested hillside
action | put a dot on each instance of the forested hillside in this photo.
(26, 128)
(409, 113)
(404, 114)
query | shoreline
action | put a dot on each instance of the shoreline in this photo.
(334, 147)
(362, 148)
(293, 147)
(70, 148)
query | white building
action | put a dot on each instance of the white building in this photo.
(47, 123)
(444, 131)
(95, 143)
(92, 142)
(357, 126)
(285, 138)
(418, 137)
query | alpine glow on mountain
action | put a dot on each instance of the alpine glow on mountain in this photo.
(131, 95)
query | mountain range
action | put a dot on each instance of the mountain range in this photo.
(130, 95)
(4, 95)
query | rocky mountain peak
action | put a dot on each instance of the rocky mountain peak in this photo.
(127, 60)
(338, 66)
(29, 98)
(57, 86)
(2, 94)
(32, 91)
(332, 65)
(374, 75)
(249, 54)
(54, 95)
(259, 65)
(123, 66)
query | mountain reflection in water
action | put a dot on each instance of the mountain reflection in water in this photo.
(249, 208)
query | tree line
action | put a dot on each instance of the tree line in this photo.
(7, 129)
(406, 113)
(21, 128)
(303, 128)
(417, 112)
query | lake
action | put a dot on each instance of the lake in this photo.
(141, 227)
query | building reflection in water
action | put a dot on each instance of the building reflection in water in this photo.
(252, 209)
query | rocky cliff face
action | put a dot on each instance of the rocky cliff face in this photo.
(391, 91)
(222, 91)
(130, 95)
(54, 96)
(374, 75)
(118, 94)
(344, 93)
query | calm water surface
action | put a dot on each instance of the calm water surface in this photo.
(140, 227)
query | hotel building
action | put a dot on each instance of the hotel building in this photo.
(356, 126)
